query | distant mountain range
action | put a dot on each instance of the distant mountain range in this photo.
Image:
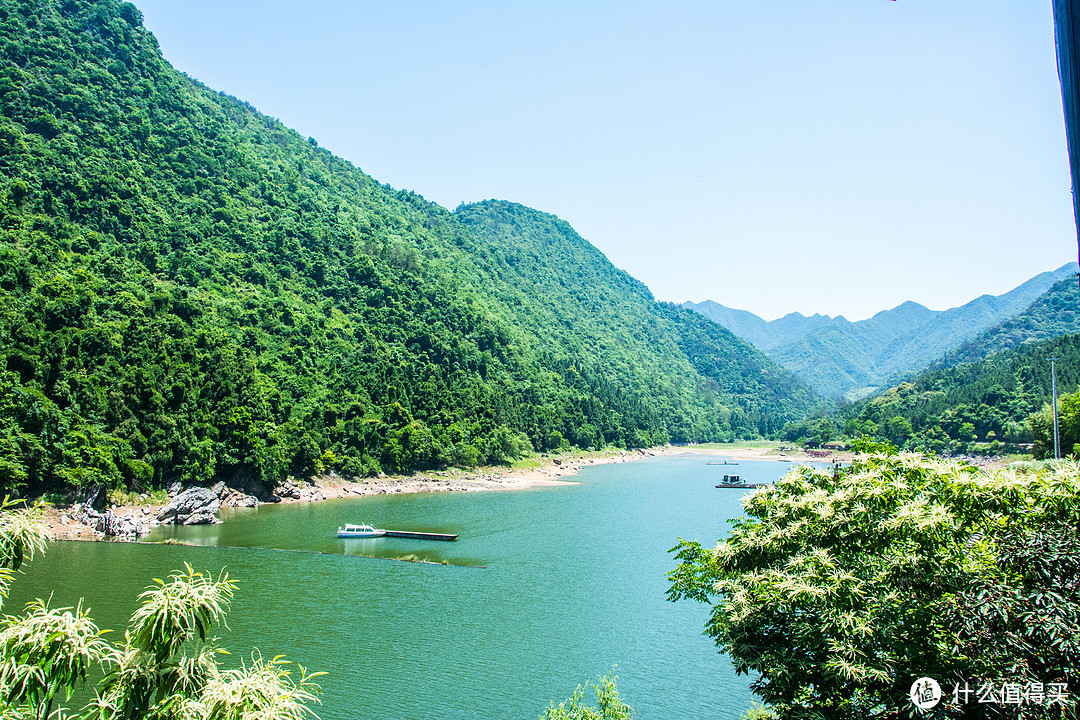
(1054, 314)
(837, 357)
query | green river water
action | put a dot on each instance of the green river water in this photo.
(547, 589)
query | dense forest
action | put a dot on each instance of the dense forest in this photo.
(977, 407)
(987, 396)
(190, 290)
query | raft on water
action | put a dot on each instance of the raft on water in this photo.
(420, 535)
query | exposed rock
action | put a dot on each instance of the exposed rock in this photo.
(313, 494)
(237, 499)
(245, 483)
(95, 497)
(117, 526)
(194, 506)
(218, 489)
(85, 514)
(175, 488)
(287, 490)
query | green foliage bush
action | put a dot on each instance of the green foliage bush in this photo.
(838, 589)
(608, 704)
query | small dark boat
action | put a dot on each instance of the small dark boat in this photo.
(734, 481)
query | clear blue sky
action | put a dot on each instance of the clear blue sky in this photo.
(832, 156)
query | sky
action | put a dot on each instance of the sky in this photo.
(820, 156)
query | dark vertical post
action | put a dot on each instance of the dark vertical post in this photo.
(1067, 38)
(1053, 391)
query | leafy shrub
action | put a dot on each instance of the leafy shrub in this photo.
(839, 588)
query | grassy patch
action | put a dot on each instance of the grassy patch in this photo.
(157, 496)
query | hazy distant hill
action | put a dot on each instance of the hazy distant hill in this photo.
(190, 290)
(1055, 313)
(838, 357)
(761, 333)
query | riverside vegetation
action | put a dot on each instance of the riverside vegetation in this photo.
(838, 589)
(993, 406)
(990, 396)
(165, 667)
(190, 290)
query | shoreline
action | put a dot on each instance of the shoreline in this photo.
(546, 472)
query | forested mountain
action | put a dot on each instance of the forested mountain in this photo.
(190, 290)
(1053, 314)
(838, 357)
(973, 407)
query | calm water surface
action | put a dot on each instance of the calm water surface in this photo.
(547, 589)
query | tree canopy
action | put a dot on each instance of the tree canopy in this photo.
(190, 290)
(839, 589)
(981, 407)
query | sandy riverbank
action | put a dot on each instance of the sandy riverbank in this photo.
(553, 470)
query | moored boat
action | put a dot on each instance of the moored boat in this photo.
(734, 481)
(359, 531)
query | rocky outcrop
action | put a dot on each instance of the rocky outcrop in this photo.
(235, 499)
(244, 483)
(287, 490)
(85, 514)
(230, 497)
(291, 491)
(194, 506)
(119, 526)
(94, 498)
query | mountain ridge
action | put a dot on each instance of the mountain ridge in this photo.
(839, 357)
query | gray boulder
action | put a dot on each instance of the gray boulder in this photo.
(118, 526)
(236, 499)
(194, 506)
(288, 490)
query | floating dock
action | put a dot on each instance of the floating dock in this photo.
(420, 535)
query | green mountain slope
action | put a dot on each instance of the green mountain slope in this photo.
(1053, 314)
(972, 407)
(191, 290)
(577, 303)
(838, 357)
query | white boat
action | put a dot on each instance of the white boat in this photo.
(359, 531)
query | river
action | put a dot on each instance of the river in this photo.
(545, 589)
